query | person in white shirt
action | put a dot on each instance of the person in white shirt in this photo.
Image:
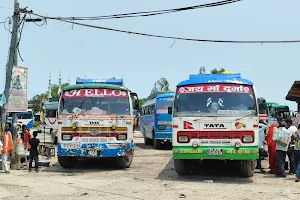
(290, 152)
(281, 151)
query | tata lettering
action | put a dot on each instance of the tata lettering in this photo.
(221, 126)
(215, 88)
(94, 93)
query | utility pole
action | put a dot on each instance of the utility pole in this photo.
(9, 68)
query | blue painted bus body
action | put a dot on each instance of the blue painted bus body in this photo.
(155, 122)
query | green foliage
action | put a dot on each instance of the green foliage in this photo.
(162, 85)
(216, 71)
(142, 101)
(36, 123)
(36, 99)
(202, 70)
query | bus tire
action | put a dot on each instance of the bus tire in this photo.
(157, 144)
(67, 162)
(182, 166)
(124, 162)
(247, 168)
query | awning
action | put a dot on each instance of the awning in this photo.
(294, 92)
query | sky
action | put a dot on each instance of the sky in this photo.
(141, 61)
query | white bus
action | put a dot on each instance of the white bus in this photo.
(26, 118)
(51, 120)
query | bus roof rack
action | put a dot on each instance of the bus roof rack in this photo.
(155, 94)
(100, 81)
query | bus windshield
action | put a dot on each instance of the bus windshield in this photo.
(215, 100)
(26, 115)
(95, 102)
(162, 105)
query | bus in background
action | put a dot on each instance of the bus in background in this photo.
(215, 117)
(26, 118)
(51, 120)
(155, 122)
(278, 110)
(263, 109)
(95, 120)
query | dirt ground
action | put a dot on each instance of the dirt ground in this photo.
(151, 176)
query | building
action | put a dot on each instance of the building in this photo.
(294, 94)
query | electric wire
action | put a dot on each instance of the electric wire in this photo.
(149, 13)
(172, 37)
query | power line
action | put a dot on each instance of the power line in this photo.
(172, 37)
(149, 13)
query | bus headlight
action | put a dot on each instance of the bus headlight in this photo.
(161, 127)
(122, 137)
(66, 137)
(248, 139)
(183, 139)
(195, 144)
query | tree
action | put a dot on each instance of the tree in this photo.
(202, 70)
(162, 85)
(216, 71)
(54, 89)
(142, 101)
(36, 99)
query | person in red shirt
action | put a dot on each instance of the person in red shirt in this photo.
(25, 135)
(272, 150)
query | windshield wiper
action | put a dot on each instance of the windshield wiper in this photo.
(244, 117)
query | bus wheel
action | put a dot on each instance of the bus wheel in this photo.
(124, 161)
(157, 143)
(182, 167)
(67, 162)
(247, 168)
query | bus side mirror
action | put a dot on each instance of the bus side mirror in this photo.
(136, 104)
(170, 110)
(56, 114)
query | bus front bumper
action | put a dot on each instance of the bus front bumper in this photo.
(95, 150)
(165, 136)
(212, 153)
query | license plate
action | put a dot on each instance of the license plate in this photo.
(93, 152)
(215, 151)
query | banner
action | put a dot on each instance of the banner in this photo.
(225, 88)
(17, 101)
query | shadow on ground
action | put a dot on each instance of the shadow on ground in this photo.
(219, 172)
(86, 166)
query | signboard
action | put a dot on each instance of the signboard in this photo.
(17, 101)
(94, 93)
(225, 88)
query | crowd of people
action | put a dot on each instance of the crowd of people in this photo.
(30, 145)
(282, 140)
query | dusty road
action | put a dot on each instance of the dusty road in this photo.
(151, 176)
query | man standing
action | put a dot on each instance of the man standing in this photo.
(281, 150)
(290, 151)
(34, 148)
(7, 148)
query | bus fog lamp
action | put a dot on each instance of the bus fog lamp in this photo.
(237, 144)
(247, 139)
(195, 144)
(183, 139)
